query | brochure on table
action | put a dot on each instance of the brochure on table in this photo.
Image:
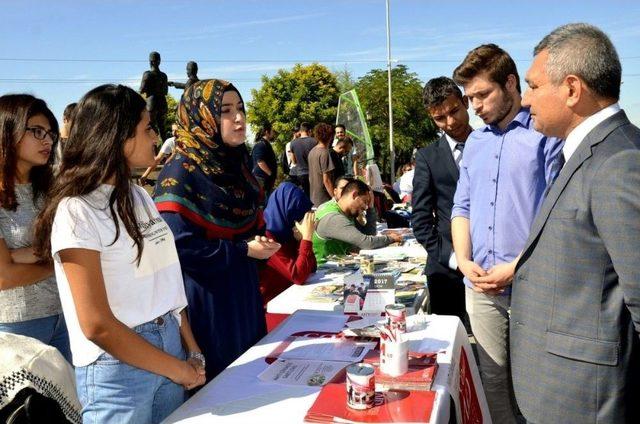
(369, 294)
(312, 361)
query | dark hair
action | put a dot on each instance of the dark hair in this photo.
(346, 140)
(323, 133)
(67, 115)
(305, 127)
(263, 130)
(357, 186)
(15, 112)
(340, 178)
(105, 118)
(583, 50)
(487, 58)
(437, 90)
(341, 126)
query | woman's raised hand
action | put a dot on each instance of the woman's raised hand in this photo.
(307, 226)
(262, 247)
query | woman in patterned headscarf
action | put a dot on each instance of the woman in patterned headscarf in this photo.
(211, 201)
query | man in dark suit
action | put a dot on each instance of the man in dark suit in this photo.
(575, 320)
(434, 184)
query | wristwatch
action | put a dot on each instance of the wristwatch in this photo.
(197, 356)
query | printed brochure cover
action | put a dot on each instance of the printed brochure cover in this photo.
(368, 294)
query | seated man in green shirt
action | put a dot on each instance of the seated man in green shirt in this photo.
(336, 232)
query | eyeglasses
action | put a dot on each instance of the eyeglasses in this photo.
(40, 134)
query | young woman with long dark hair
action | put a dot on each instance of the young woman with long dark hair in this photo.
(117, 268)
(29, 302)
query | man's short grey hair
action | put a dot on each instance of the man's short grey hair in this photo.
(587, 52)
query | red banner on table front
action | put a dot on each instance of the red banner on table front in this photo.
(392, 406)
(469, 404)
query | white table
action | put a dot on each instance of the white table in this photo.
(295, 296)
(238, 396)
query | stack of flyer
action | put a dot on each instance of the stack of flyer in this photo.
(314, 361)
(392, 406)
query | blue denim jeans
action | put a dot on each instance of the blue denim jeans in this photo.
(49, 330)
(111, 391)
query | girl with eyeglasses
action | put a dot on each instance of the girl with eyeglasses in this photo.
(117, 268)
(29, 301)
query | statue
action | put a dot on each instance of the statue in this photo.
(192, 74)
(155, 87)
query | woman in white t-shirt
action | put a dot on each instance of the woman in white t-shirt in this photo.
(117, 268)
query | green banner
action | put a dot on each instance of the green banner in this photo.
(351, 116)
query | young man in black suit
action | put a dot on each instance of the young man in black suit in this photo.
(434, 184)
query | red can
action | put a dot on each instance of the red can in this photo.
(361, 386)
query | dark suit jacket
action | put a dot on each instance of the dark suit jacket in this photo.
(434, 184)
(575, 306)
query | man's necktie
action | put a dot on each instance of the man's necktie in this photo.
(460, 148)
(557, 166)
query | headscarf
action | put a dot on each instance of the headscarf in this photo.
(209, 182)
(286, 205)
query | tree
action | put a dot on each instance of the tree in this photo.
(345, 79)
(412, 127)
(302, 94)
(172, 113)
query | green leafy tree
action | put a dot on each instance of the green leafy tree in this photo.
(412, 127)
(345, 80)
(302, 94)
(172, 113)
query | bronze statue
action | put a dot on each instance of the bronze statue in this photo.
(155, 87)
(192, 74)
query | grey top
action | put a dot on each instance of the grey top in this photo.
(337, 226)
(301, 148)
(37, 300)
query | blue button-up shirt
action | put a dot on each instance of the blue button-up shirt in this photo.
(503, 177)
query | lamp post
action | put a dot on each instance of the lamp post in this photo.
(392, 151)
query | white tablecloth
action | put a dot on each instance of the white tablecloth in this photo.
(295, 296)
(237, 395)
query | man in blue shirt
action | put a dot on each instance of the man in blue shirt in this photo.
(504, 173)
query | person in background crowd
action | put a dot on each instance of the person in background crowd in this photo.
(340, 133)
(289, 221)
(504, 172)
(166, 151)
(374, 180)
(434, 185)
(29, 301)
(291, 158)
(336, 233)
(406, 184)
(341, 149)
(211, 202)
(67, 118)
(321, 166)
(265, 163)
(399, 173)
(117, 267)
(347, 162)
(300, 147)
(576, 301)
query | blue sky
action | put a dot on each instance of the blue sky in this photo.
(242, 40)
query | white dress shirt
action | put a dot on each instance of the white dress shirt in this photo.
(578, 134)
(453, 262)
